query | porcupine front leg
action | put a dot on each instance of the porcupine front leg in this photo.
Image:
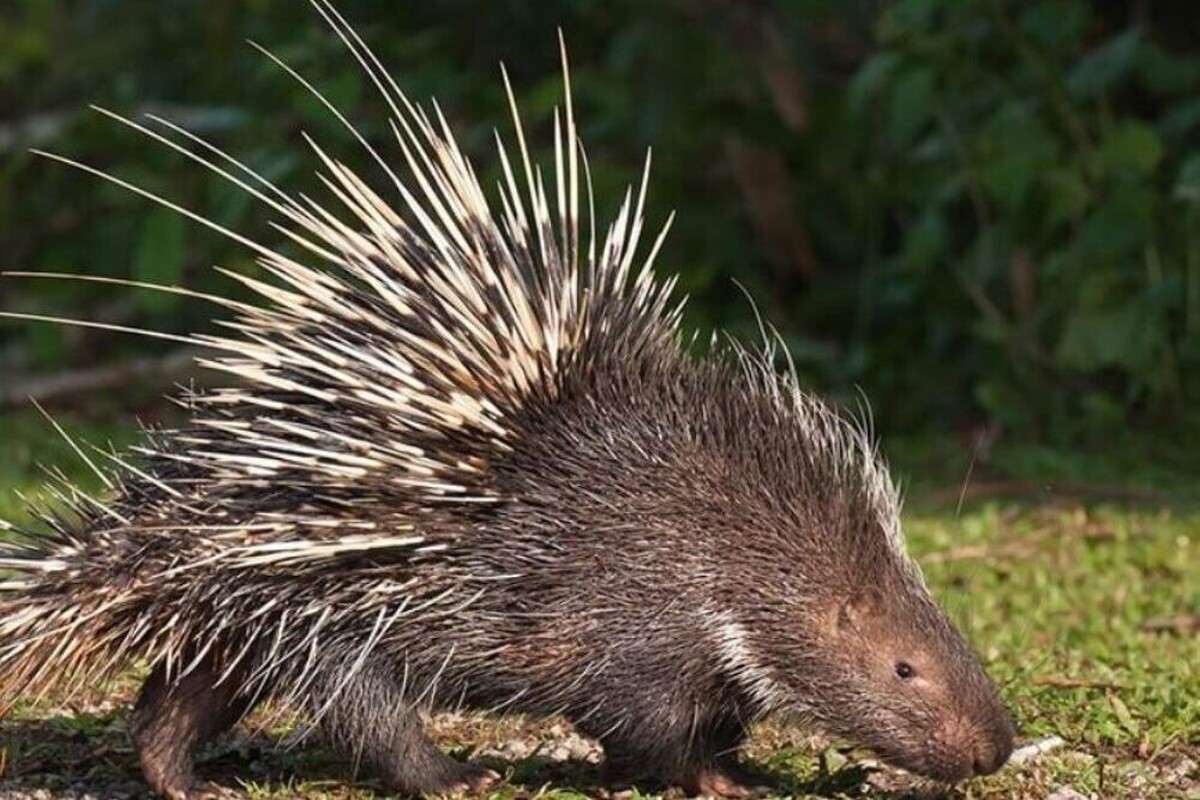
(172, 718)
(699, 756)
(714, 768)
(372, 722)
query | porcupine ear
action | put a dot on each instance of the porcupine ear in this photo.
(856, 611)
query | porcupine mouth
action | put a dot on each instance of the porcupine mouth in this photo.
(956, 750)
(942, 764)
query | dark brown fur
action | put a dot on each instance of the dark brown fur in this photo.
(642, 501)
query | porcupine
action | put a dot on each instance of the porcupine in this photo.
(468, 462)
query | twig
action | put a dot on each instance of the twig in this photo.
(1036, 749)
(980, 552)
(39, 129)
(1182, 624)
(1058, 489)
(164, 370)
(1059, 682)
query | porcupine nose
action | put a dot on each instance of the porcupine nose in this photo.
(973, 747)
(989, 758)
(993, 750)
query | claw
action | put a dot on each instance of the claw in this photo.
(717, 783)
(475, 780)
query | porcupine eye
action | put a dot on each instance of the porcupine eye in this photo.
(904, 670)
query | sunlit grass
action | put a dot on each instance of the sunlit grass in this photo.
(1085, 614)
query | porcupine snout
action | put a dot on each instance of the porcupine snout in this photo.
(980, 746)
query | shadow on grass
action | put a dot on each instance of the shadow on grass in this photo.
(91, 754)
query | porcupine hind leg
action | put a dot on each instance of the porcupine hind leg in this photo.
(172, 718)
(371, 721)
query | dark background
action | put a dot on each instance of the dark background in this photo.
(982, 214)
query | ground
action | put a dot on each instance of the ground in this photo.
(1084, 602)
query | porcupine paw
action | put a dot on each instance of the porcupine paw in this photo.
(720, 782)
(449, 778)
(197, 790)
(167, 769)
(472, 779)
(204, 790)
(723, 780)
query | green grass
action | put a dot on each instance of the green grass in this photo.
(1082, 615)
(1085, 612)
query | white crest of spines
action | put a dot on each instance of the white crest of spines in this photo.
(429, 319)
(846, 446)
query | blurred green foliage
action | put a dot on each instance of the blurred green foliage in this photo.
(977, 211)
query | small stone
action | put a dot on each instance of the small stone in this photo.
(581, 749)
(1036, 749)
(834, 759)
(1065, 792)
(516, 749)
(1185, 768)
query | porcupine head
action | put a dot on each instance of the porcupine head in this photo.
(467, 461)
(778, 523)
(848, 635)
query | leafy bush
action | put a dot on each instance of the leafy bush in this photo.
(1034, 175)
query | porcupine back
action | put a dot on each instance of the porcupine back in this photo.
(381, 397)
